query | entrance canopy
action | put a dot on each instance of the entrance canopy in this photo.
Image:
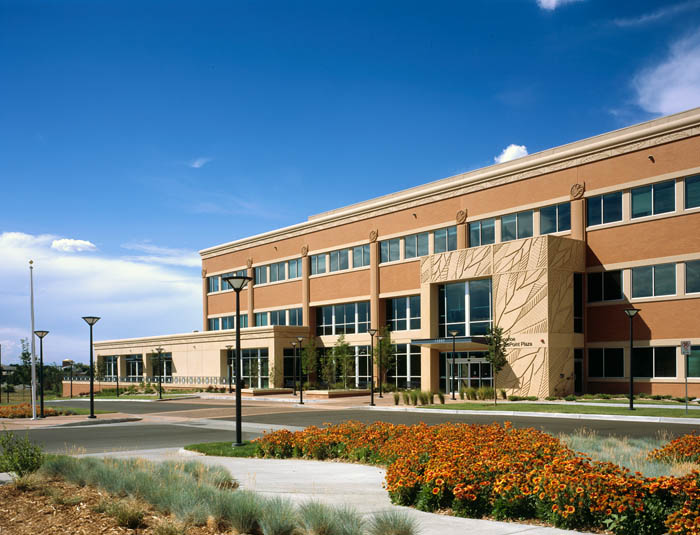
(461, 343)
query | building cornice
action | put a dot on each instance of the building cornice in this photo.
(608, 145)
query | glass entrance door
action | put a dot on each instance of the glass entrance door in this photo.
(470, 370)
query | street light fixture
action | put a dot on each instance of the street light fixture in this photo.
(453, 334)
(237, 283)
(41, 335)
(371, 332)
(159, 350)
(301, 375)
(229, 365)
(91, 320)
(631, 313)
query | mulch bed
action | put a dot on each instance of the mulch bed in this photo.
(36, 511)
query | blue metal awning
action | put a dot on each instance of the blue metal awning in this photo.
(461, 343)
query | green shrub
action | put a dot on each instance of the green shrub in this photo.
(406, 396)
(318, 519)
(393, 522)
(19, 456)
(414, 397)
(461, 393)
(515, 398)
(431, 397)
(279, 517)
(570, 397)
(348, 521)
(242, 509)
(397, 398)
(28, 482)
(424, 397)
(503, 393)
(128, 513)
(531, 398)
(441, 397)
(551, 398)
(170, 527)
(470, 393)
(484, 393)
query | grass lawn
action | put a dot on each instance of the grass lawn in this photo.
(224, 449)
(569, 409)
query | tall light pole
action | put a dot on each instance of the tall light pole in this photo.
(229, 365)
(631, 313)
(453, 334)
(379, 363)
(294, 371)
(371, 332)
(301, 375)
(91, 320)
(237, 283)
(41, 335)
(31, 303)
(159, 350)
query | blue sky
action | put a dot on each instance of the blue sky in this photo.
(133, 134)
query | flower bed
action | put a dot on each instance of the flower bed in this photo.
(502, 472)
(681, 449)
(24, 410)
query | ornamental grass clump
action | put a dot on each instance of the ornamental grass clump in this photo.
(279, 517)
(406, 397)
(393, 522)
(318, 519)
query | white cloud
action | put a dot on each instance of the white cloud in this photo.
(673, 85)
(511, 152)
(68, 245)
(551, 5)
(200, 162)
(664, 12)
(133, 297)
(163, 255)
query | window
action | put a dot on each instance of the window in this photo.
(254, 369)
(360, 256)
(651, 281)
(456, 299)
(261, 275)
(164, 365)
(294, 268)
(318, 264)
(482, 232)
(339, 260)
(403, 313)
(213, 324)
(692, 192)
(277, 271)
(225, 285)
(260, 319)
(228, 322)
(654, 361)
(389, 250)
(578, 302)
(296, 316)
(405, 373)
(348, 318)
(654, 199)
(604, 208)
(516, 226)
(111, 366)
(694, 362)
(278, 317)
(134, 368)
(213, 284)
(692, 277)
(607, 362)
(416, 245)
(605, 286)
(555, 218)
(445, 240)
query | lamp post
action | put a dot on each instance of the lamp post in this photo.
(301, 379)
(159, 350)
(631, 313)
(237, 283)
(229, 365)
(379, 364)
(41, 335)
(371, 332)
(294, 371)
(91, 320)
(453, 334)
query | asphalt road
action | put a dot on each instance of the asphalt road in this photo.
(139, 407)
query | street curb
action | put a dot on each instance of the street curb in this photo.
(122, 399)
(96, 421)
(573, 416)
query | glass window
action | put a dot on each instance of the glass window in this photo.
(260, 319)
(360, 256)
(654, 199)
(648, 281)
(555, 218)
(445, 240)
(692, 277)
(339, 260)
(416, 245)
(213, 324)
(694, 362)
(294, 268)
(604, 208)
(278, 317)
(605, 362)
(516, 226)
(318, 264)
(482, 232)
(261, 275)
(414, 311)
(453, 300)
(389, 250)
(277, 272)
(347, 318)
(296, 316)
(578, 302)
(692, 192)
(403, 313)
(406, 371)
(604, 286)
(228, 322)
(255, 368)
(643, 362)
(213, 284)
(654, 361)
(479, 306)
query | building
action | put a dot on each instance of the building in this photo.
(553, 247)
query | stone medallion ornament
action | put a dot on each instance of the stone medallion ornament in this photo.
(204, 273)
(249, 263)
(304, 250)
(461, 216)
(577, 190)
(373, 235)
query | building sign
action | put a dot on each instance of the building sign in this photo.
(685, 347)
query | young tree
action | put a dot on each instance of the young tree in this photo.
(309, 357)
(254, 372)
(497, 354)
(23, 372)
(328, 367)
(100, 371)
(385, 353)
(344, 358)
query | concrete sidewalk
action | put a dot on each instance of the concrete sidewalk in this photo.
(337, 484)
(20, 424)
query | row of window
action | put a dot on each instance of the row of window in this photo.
(340, 260)
(292, 316)
(647, 281)
(348, 318)
(278, 271)
(653, 199)
(134, 367)
(226, 323)
(403, 313)
(415, 245)
(651, 362)
(217, 283)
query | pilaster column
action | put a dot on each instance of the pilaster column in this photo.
(578, 219)
(205, 301)
(305, 288)
(462, 240)
(251, 297)
(374, 284)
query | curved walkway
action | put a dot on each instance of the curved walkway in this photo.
(336, 483)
